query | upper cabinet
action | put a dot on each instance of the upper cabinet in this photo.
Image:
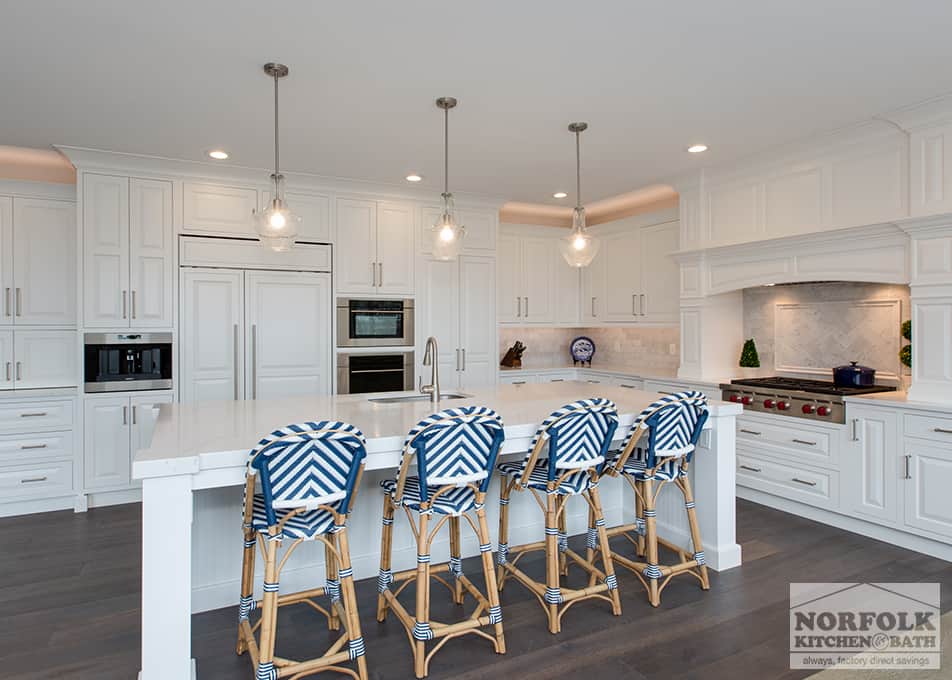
(375, 252)
(128, 244)
(218, 209)
(481, 227)
(526, 287)
(37, 262)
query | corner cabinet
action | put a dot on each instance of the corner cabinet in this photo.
(128, 245)
(375, 251)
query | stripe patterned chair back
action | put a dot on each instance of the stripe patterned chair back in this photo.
(455, 447)
(307, 465)
(578, 436)
(674, 423)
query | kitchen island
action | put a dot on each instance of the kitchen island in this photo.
(193, 471)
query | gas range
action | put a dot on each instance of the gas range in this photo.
(810, 399)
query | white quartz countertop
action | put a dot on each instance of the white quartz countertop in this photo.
(647, 373)
(900, 399)
(219, 434)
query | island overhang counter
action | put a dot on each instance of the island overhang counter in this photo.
(193, 473)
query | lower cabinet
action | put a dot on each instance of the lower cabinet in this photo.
(871, 465)
(927, 477)
(37, 359)
(115, 428)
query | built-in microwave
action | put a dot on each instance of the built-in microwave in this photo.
(374, 323)
(378, 372)
(117, 362)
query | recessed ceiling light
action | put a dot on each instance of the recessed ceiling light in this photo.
(413, 177)
(697, 148)
(559, 194)
(218, 154)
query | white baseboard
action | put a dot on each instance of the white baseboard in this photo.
(101, 499)
(29, 507)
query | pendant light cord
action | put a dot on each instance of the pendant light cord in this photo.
(578, 171)
(446, 153)
(277, 155)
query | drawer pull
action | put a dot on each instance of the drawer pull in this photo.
(627, 387)
(756, 434)
(33, 415)
(33, 446)
(594, 382)
(752, 469)
(803, 481)
(803, 441)
(518, 382)
(557, 380)
(907, 474)
(665, 392)
(32, 480)
(941, 430)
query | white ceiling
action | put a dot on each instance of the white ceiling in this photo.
(176, 78)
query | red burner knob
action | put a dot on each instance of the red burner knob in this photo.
(783, 405)
(734, 398)
(769, 403)
(808, 409)
(823, 410)
(746, 401)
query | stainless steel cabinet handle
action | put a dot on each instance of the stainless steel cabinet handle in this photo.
(19, 371)
(19, 302)
(457, 360)
(594, 381)
(125, 415)
(123, 304)
(593, 305)
(752, 469)
(666, 392)
(803, 441)
(855, 436)
(908, 466)
(463, 351)
(133, 414)
(941, 430)
(527, 305)
(38, 414)
(756, 434)
(557, 380)
(627, 387)
(31, 480)
(133, 304)
(518, 306)
(633, 305)
(254, 361)
(6, 302)
(802, 481)
(26, 447)
(234, 344)
(9, 367)
(380, 267)
(644, 304)
(518, 382)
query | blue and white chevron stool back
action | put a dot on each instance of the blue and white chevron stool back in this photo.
(674, 425)
(306, 465)
(578, 434)
(455, 447)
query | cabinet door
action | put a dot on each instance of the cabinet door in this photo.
(288, 320)
(538, 299)
(438, 314)
(151, 237)
(660, 274)
(481, 227)
(568, 289)
(395, 250)
(6, 259)
(45, 359)
(6, 359)
(106, 250)
(143, 413)
(928, 501)
(509, 284)
(315, 213)
(593, 288)
(44, 245)
(218, 209)
(479, 343)
(356, 261)
(870, 488)
(107, 449)
(621, 257)
(212, 335)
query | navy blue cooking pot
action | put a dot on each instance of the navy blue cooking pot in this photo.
(854, 376)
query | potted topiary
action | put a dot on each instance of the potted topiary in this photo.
(749, 359)
(905, 353)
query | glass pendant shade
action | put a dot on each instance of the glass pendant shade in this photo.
(276, 225)
(579, 247)
(446, 234)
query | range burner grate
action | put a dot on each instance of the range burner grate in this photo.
(801, 385)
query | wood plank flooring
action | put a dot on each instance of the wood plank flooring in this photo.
(69, 597)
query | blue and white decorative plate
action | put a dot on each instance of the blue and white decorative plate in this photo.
(582, 349)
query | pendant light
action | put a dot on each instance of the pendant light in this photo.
(579, 247)
(447, 234)
(276, 225)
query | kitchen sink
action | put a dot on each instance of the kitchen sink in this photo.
(417, 397)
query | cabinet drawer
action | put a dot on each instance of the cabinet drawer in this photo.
(38, 416)
(811, 445)
(39, 480)
(556, 377)
(506, 379)
(20, 449)
(928, 427)
(814, 487)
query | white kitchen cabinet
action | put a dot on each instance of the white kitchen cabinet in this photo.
(375, 252)
(594, 288)
(526, 291)
(927, 477)
(567, 290)
(6, 360)
(621, 257)
(660, 294)
(143, 413)
(515, 378)
(6, 258)
(509, 278)
(438, 314)
(871, 487)
(481, 227)
(128, 243)
(108, 446)
(217, 209)
(315, 213)
(44, 262)
(44, 359)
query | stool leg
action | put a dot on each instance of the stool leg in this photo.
(563, 540)
(685, 485)
(422, 595)
(247, 582)
(639, 515)
(505, 489)
(492, 592)
(455, 557)
(269, 609)
(552, 561)
(652, 573)
(386, 543)
(607, 564)
(591, 543)
(349, 596)
(331, 571)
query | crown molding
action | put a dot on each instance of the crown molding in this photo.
(29, 189)
(933, 111)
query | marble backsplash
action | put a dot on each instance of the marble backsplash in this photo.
(655, 348)
(806, 329)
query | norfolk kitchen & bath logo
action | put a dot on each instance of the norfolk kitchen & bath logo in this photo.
(864, 625)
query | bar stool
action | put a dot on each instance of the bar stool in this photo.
(577, 436)
(309, 474)
(674, 425)
(455, 451)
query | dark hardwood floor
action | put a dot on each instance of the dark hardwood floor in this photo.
(69, 597)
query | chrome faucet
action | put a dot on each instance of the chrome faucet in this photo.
(431, 358)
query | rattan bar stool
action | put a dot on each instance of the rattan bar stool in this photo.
(565, 459)
(309, 473)
(455, 451)
(673, 424)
